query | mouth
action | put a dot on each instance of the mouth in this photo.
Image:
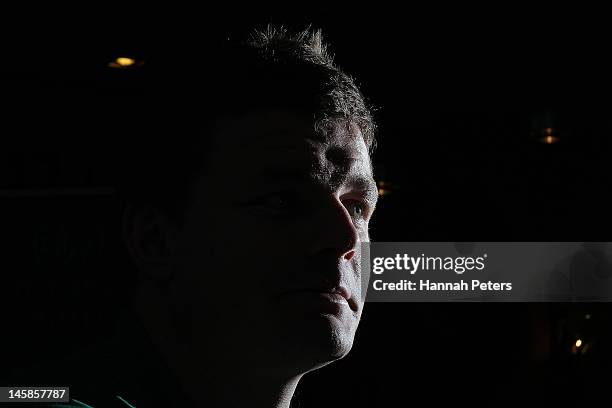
(335, 297)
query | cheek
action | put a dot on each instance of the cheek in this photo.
(241, 266)
(236, 250)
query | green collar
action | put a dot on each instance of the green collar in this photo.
(78, 404)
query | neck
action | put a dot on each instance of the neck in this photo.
(208, 379)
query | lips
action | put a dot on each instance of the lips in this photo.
(334, 294)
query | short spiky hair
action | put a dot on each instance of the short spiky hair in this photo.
(306, 44)
(273, 68)
(343, 98)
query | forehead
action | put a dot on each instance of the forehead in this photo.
(266, 137)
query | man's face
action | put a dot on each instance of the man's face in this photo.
(269, 261)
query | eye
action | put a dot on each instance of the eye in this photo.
(356, 208)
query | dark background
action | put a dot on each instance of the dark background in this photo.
(462, 108)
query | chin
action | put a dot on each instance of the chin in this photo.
(325, 340)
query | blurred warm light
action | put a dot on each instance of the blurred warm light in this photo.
(588, 316)
(549, 138)
(124, 62)
(384, 188)
(580, 347)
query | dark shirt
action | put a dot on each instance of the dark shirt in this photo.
(125, 370)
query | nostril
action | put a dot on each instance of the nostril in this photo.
(349, 255)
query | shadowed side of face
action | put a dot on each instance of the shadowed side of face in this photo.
(268, 267)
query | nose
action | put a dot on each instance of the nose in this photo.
(336, 232)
